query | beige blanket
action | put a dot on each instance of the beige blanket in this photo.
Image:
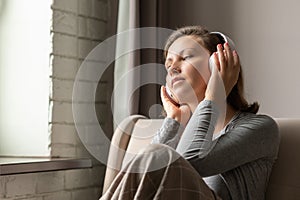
(159, 173)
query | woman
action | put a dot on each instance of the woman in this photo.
(209, 131)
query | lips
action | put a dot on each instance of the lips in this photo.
(176, 79)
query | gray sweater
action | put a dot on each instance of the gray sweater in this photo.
(238, 163)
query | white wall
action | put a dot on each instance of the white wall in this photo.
(270, 38)
(266, 33)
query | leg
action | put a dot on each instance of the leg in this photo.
(159, 172)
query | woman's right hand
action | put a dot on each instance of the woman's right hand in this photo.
(181, 113)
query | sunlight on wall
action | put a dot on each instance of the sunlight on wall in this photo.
(24, 77)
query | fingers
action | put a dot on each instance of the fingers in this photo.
(225, 55)
(167, 98)
(164, 97)
(163, 94)
(236, 58)
(215, 64)
(229, 54)
(221, 55)
(226, 58)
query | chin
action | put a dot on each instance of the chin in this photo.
(185, 95)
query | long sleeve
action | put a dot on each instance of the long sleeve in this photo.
(201, 125)
(247, 138)
(197, 138)
(169, 133)
(242, 156)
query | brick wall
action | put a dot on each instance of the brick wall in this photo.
(58, 185)
(77, 27)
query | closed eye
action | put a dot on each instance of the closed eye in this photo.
(187, 57)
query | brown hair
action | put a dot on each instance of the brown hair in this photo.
(210, 41)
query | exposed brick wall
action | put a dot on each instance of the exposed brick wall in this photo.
(58, 185)
(77, 27)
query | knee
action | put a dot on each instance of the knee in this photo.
(159, 153)
(152, 148)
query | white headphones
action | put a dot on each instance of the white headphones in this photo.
(224, 38)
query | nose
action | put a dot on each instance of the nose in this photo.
(174, 68)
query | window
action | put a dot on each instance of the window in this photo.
(24, 77)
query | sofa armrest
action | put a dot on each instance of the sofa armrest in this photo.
(285, 177)
(118, 148)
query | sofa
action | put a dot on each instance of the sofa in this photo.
(136, 132)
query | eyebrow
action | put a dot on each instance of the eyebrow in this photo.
(182, 51)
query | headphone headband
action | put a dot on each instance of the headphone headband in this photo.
(224, 38)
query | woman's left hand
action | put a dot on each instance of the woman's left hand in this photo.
(227, 67)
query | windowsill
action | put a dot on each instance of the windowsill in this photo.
(20, 165)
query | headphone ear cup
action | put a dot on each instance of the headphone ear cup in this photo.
(223, 38)
(231, 43)
(211, 63)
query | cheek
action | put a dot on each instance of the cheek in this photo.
(197, 81)
(202, 69)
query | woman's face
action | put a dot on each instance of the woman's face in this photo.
(188, 71)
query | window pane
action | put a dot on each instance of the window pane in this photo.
(24, 77)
